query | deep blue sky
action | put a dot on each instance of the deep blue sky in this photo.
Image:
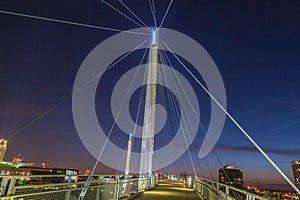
(255, 45)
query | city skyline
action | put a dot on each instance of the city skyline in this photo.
(255, 47)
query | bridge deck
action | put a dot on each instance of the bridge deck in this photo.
(168, 190)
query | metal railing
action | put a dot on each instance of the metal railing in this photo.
(102, 187)
(62, 187)
(212, 190)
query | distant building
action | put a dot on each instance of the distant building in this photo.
(3, 145)
(296, 172)
(17, 162)
(55, 173)
(230, 176)
(43, 165)
(17, 159)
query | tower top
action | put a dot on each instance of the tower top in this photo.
(154, 37)
(130, 137)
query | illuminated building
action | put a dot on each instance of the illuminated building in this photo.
(43, 165)
(30, 170)
(87, 172)
(17, 159)
(296, 172)
(230, 176)
(3, 145)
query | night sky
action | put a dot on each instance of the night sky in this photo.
(255, 44)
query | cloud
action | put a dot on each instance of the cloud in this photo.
(286, 125)
(285, 152)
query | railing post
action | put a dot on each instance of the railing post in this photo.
(249, 197)
(117, 187)
(4, 184)
(194, 184)
(125, 186)
(152, 181)
(129, 188)
(210, 193)
(11, 188)
(227, 191)
(138, 185)
(98, 189)
(68, 192)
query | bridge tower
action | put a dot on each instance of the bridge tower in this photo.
(149, 112)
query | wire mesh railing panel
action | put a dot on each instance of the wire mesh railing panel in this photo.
(108, 192)
(19, 190)
(141, 185)
(44, 196)
(91, 194)
(134, 188)
(217, 191)
(124, 188)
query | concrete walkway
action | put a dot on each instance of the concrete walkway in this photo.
(168, 190)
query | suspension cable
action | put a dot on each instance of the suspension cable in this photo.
(68, 22)
(134, 14)
(162, 21)
(120, 12)
(235, 122)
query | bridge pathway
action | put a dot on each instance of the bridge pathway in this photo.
(168, 190)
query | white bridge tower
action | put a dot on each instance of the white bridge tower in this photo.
(149, 112)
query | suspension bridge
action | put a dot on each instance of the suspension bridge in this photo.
(141, 182)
